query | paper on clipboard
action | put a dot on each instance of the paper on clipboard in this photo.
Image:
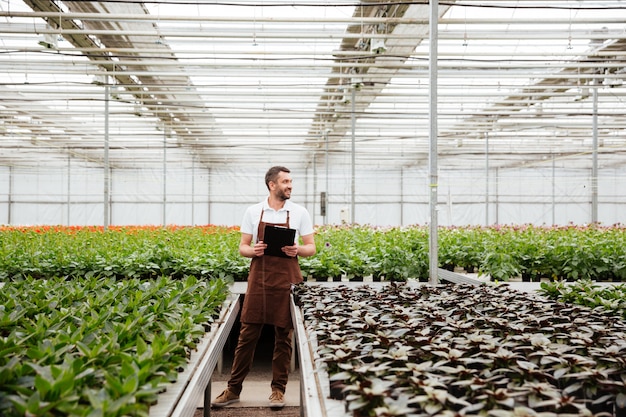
(276, 237)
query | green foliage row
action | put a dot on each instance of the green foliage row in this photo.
(565, 253)
(588, 293)
(392, 254)
(98, 346)
(557, 253)
(125, 252)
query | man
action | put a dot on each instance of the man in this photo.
(269, 285)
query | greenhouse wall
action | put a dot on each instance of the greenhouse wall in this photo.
(74, 195)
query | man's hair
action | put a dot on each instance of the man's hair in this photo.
(272, 174)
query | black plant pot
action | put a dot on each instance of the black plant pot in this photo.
(620, 405)
(336, 390)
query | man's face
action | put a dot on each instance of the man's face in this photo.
(282, 186)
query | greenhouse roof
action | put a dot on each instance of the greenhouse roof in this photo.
(305, 83)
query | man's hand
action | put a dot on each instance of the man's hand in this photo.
(259, 248)
(291, 251)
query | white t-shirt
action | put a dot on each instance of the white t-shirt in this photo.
(299, 218)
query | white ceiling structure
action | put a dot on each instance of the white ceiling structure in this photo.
(246, 82)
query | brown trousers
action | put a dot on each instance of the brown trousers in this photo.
(244, 355)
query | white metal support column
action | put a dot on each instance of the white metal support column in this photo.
(208, 193)
(353, 160)
(10, 196)
(307, 189)
(69, 186)
(314, 211)
(402, 196)
(107, 168)
(193, 191)
(553, 189)
(486, 178)
(327, 205)
(497, 196)
(164, 175)
(432, 156)
(594, 156)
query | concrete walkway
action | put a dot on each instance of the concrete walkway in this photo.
(256, 387)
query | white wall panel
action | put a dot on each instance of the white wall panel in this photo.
(5, 187)
(385, 197)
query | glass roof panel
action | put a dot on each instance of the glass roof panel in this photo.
(225, 83)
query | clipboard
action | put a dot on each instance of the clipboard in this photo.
(276, 237)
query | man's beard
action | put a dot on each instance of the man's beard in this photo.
(283, 196)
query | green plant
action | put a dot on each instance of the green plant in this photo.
(587, 293)
(394, 253)
(70, 347)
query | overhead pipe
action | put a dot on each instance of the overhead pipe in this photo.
(166, 33)
(109, 17)
(380, 63)
(405, 73)
(391, 96)
(115, 17)
(301, 52)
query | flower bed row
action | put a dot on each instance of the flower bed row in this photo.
(392, 254)
(461, 350)
(98, 346)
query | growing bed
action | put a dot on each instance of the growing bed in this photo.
(101, 346)
(412, 349)
(194, 384)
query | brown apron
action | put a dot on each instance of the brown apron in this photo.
(269, 286)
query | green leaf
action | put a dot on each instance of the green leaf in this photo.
(34, 406)
(131, 384)
(42, 385)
